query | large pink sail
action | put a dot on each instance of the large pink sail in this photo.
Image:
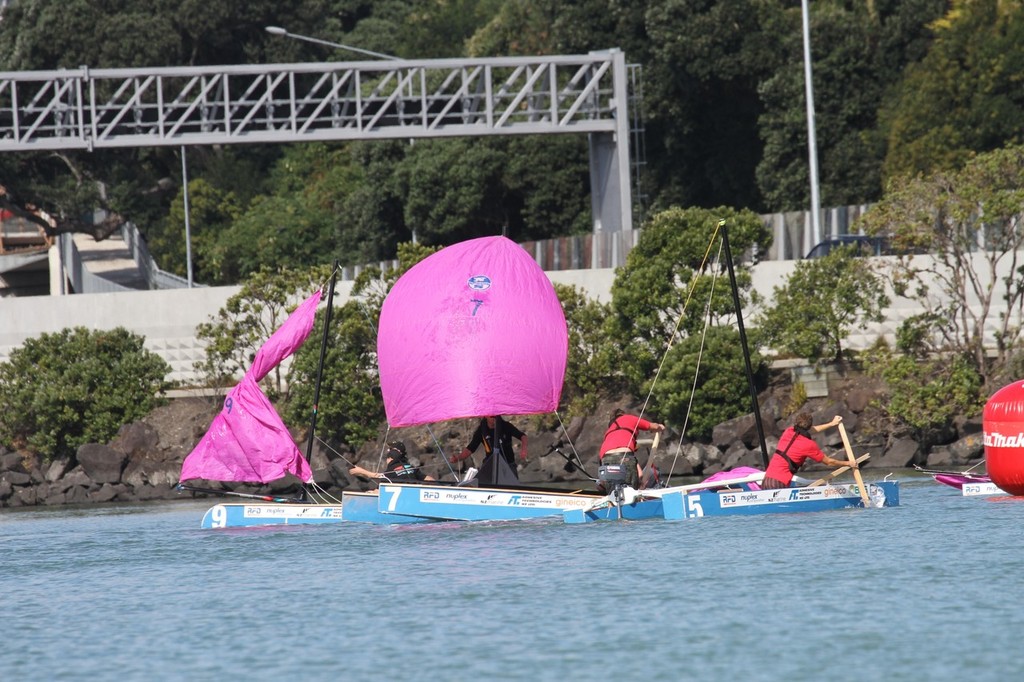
(248, 441)
(475, 329)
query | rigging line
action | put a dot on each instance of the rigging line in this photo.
(334, 270)
(328, 446)
(700, 359)
(440, 451)
(679, 319)
(579, 461)
(324, 494)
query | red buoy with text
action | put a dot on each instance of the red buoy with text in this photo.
(1003, 425)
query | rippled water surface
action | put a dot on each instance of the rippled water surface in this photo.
(930, 590)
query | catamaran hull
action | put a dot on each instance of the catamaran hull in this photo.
(679, 505)
(269, 514)
(448, 503)
(981, 488)
(365, 508)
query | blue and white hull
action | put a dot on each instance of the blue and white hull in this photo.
(364, 507)
(244, 515)
(680, 504)
(453, 503)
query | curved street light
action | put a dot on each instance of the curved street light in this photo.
(278, 31)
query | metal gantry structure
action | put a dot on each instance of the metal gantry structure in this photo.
(93, 109)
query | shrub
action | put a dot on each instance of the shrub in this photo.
(76, 386)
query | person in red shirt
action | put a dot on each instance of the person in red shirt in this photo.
(795, 447)
(620, 442)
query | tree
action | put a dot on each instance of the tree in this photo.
(351, 409)
(858, 51)
(813, 311)
(590, 367)
(249, 317)
(969, 223)
(77, 386)
(964, 96)
(668, 293)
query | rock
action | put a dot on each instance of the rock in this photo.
(13, 461)
(106, 493)
(16, 478)
(101, 463)
(900, 454)
(136, 439)
(57, 468)
(739, 430)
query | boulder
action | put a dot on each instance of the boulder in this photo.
(101, 463)
(56, 469)
(136, 439)
(900, 454)
(13, 461)
(739, 430)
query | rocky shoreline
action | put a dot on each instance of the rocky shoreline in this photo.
(143, 461)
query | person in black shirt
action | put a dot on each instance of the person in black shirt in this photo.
(485, 433)
(396, 468)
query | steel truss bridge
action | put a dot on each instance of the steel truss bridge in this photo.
(91, 109)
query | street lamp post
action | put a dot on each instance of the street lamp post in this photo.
(812, 143)
(278, 31)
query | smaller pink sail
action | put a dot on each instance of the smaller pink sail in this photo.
(247, 440)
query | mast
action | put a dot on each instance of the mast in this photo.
(743, 342)
(320, 364)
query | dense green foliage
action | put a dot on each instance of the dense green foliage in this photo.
(820, 303)
(351, 411)
(590, 372)
(905, 85)
(674, 291)
(927, 392)
(249, 317)
(77, 386)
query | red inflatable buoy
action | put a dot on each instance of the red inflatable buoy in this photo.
(1003, 424)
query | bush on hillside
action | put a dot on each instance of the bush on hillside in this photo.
(76, 386)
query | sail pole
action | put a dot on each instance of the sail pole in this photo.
(743, 342)
(320, 364)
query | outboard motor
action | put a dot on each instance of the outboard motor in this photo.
(613, 478)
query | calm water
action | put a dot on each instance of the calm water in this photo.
(930, 590)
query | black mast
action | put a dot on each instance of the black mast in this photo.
(320, 365)
(743, 342)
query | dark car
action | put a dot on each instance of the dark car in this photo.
(862, 245)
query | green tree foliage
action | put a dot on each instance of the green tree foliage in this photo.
(523, 188)
(964, 96)
(820, 302)
(350, 409)
(704, 382)
(925, 392)
(249, 317)
(701, 77)
(211, 211)
(857, 52)
(590, 372)
(968, 222)
(77, 386)
(669, 292)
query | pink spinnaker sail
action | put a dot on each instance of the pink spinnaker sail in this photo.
(475, 329)
(248, 441)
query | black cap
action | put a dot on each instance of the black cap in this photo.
(396, 449)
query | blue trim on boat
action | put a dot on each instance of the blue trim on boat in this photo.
(241, 515)
(678, 505)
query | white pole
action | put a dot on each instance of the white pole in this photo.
(812, 143)
(188, 231)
